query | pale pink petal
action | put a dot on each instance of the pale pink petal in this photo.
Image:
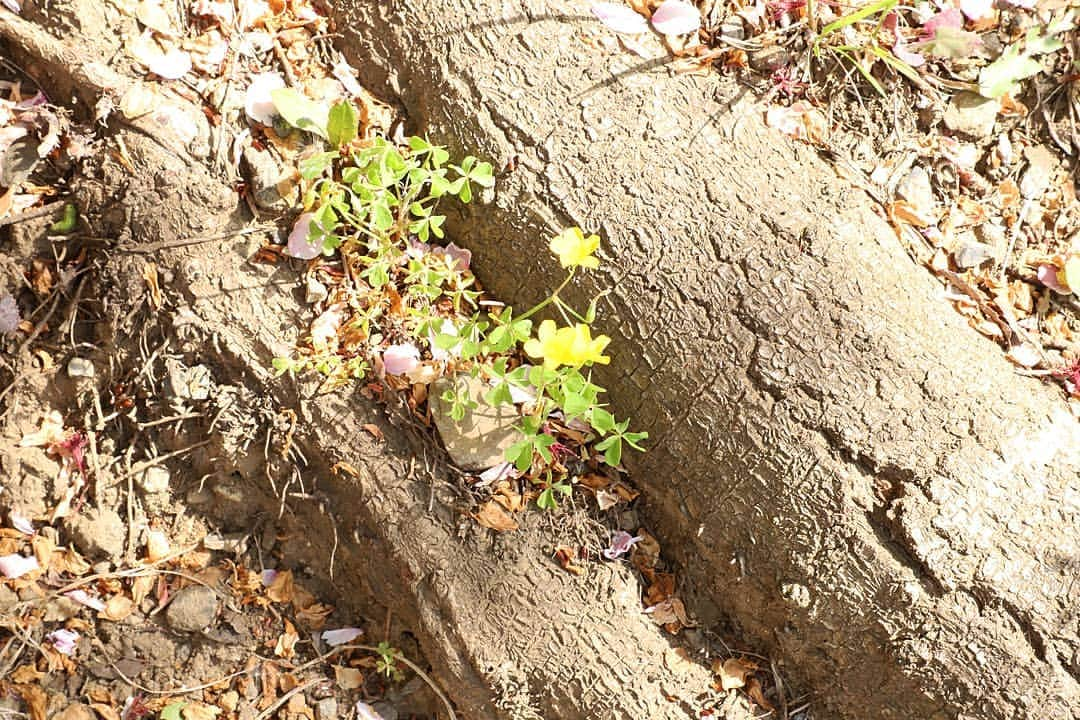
(400, 359)
(1048, 276)
(341, 635)
(948, 18)
(257, 102)
(268, 577)
(84, 598)
(621, 542)
(12, 5)
(899, 47)
(173, 65)
(15, 565)
(252, 11)
(63, 640)
(437, 353)
(519, 395)
(22, 523)
(416, 249)
(366, 712)
(31, 102)
(977, 9)
(501, 471)
(676, 17)
(462, 256)
(221, 11)
(299, 246)
(620, 18)
(346, 75)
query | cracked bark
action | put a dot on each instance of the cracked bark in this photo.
(786, 356)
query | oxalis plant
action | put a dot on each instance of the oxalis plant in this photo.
(408, 310)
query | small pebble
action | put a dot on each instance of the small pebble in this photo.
(154, 479)
(972, 255)
(80, 367)
(194, 608)
(315, 292)
(326, 709)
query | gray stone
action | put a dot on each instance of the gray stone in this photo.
(315, 291)
(992, 234)
(59, 609)
(915, 187)
(266, 176)
(1036, 178)
(100, 534)
(326, 709)
(480, 439)
(972, 254)
(7, 596)
(769, 60)
(193, 609)
(188, 383)
(80, 367)
(971, 114)
(155, 479)
(385, 710)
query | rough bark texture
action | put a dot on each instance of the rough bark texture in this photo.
(507, 632)
(845, 468)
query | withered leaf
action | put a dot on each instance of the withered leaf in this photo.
(348, 678)
(492, 515)
(733, 672)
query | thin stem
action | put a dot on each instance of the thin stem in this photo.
(543, 304)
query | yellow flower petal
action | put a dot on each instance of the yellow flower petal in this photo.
(574, 249)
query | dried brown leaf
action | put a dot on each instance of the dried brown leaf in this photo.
(348, 678)
(733, 672)
(492, 515)
(567, 558)
(281, 589)
(35, 700)
(117, 608)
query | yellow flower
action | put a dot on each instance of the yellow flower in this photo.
(573, 248)
(572, 346)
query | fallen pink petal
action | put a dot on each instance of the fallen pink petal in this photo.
(621, 542)
(12, 5)
(15, 565)
(346, 75)
(22, 523)
(268, 577)
(620, 18)
(948, 18)
(341, 636)
(977, 9)
(63, 640)
(173, 65)
(299, 245)
(502, 471)
(461, 256)
(84, 598)
(400, 359)
(676, 17)
(366, 712)
(899, 47)
(1048, 276)
(257, 102)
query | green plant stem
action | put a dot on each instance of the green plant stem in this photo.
(554, 296)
